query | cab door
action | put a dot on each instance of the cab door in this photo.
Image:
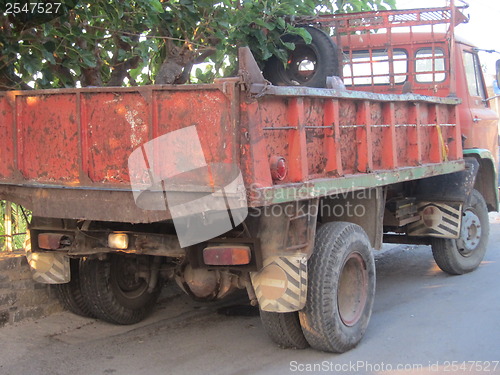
(482, 121)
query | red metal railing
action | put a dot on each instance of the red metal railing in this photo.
(391, 30)
(369, 21)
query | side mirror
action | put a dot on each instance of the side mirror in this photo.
(496, 84)
(497, 75)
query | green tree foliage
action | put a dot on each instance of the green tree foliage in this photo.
(19, 218)
(135, 42)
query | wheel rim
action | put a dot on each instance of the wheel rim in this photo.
(302, 64)
(123, 275)
(470, 233)
(352, 293)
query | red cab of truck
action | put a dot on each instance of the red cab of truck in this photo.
(417, 51)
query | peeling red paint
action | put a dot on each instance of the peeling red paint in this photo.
(83, 137)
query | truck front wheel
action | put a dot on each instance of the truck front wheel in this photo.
(114, 290)
(341, 288)
(465, 254)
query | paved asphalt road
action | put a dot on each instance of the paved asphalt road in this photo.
(424, 321)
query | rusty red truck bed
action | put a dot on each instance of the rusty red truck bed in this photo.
(64, 152)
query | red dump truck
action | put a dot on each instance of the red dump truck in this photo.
(262, 182)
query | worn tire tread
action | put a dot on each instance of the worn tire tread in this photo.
(284, 329)
(70, 294)
(445, 251)
(275, 72)
(100, 297)
(317, 318)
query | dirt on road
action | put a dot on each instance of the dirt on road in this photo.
(424, 322)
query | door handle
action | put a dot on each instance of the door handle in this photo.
(477, 119)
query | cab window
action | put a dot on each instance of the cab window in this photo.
(473, 74)
(429, 65)
(374, 69)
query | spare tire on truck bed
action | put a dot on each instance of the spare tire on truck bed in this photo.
(308, 64)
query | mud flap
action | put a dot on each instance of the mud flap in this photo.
(281, 285)
(48, 268)
(437, 220)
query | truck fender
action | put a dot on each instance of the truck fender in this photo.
(486, 180)
(46, 267)
(281, 285)
(440, 201)
(286, 233)
(453, 187)
(362, 207)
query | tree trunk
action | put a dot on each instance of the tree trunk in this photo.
(173, 68)
(91, 77)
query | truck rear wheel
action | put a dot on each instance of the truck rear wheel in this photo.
(113, 290)
(70, 294)
(341, 288)
(465, 254)
(284, 329)
(308, 64)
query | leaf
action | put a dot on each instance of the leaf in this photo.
(266, 55)
(281, 54)
(134, 73)
(281, 23)
(122, 55)
(49, 56)
(31, 64)
(303, 33)
(126, 39)
(88, 59)
(156, 5)
(266, 25)
(49, 46)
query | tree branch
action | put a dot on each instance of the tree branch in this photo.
(10, 81)
(147, 36)
(120, 71)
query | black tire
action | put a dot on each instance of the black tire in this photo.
(465, 254)
(284, 329)
(70, 294)
(112, 292)
(341, 288)
(321, 52)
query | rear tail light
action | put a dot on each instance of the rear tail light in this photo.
(53, 241)
(226, 255)
(118, 241)
(279, 168)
